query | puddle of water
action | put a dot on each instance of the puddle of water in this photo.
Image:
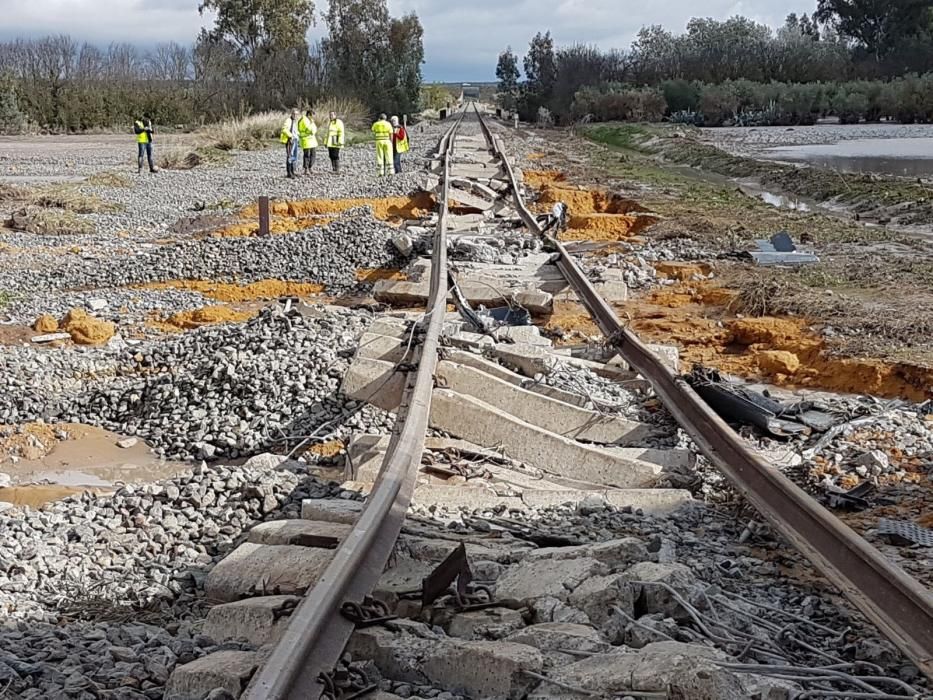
(783, 202)
(91, 460)
(38, 495)
(908, 157)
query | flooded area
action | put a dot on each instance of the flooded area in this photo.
(905, 157)
(904, 150)
(88, 459)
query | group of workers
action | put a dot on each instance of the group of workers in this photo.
(299, 135)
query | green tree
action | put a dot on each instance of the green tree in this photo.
(540, 66)
(877, 25)
(403, 64)
(372, 56)
(268, 37)
(12, 120)
(540, 76)
(508, 75)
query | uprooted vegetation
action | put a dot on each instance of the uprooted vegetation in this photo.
(868, 311)
(52, 210)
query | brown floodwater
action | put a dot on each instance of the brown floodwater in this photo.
(89, 460)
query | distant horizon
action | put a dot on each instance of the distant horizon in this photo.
(461, 44)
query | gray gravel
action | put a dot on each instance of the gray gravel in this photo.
(121, 305)
(329, 255)
(222, 391)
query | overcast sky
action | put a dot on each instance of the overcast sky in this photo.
(462, 38)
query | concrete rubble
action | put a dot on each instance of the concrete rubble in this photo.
(580, 505)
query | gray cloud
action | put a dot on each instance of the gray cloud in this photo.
(462, 39)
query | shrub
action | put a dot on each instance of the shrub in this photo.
(681, 95)
(12, 119)
(616, 103)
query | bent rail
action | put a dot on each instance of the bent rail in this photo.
(317, 633)
(899, 605)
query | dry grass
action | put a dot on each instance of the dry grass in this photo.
(245, 133)
(13, 193)
(71, 200)
(254, 132)
(50, 222)
(350, 110)
(109, 179)
(877, 323)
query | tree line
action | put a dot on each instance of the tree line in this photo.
(255, 57)
(843, 59)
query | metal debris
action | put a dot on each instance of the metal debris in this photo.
(738, 403)
(904, 534)
(780, 249)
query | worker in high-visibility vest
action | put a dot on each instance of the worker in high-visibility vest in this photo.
(399, 143)
(307, 135)
(335, 137)
(382, 130)
(143, 129)
(289, 136)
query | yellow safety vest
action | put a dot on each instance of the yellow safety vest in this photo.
(335, 134)
(382, 130)
(286, 134)
(307, 131)
(142, 136)
(401, 145)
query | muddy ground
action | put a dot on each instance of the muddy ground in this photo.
(862, 318)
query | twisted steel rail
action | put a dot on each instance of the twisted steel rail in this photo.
(899, 605)
(317, 633)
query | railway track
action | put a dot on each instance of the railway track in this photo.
(311, 642)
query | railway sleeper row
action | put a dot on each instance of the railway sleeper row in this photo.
(535, 612)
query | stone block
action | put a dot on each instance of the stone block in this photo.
(527, 335)
(537, 301)
(260, 621)
(528, 580)
(491, 623)
(669, 355)
(307, 533)
(229, 670)
(530, 360)
(474, 420)
(549, 414)
(492, 670)
(331, 510)
(374, 381)
(554, 639)
(650, 501)
(596, 597)
(681, 670)
(656, 599)
(477, 669)
(621, 553)
(383, 347)
(261, 569)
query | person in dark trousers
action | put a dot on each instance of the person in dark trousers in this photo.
(335, 140)
(399, 144)
(142, 127)
(289, 137)
(307, 135)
